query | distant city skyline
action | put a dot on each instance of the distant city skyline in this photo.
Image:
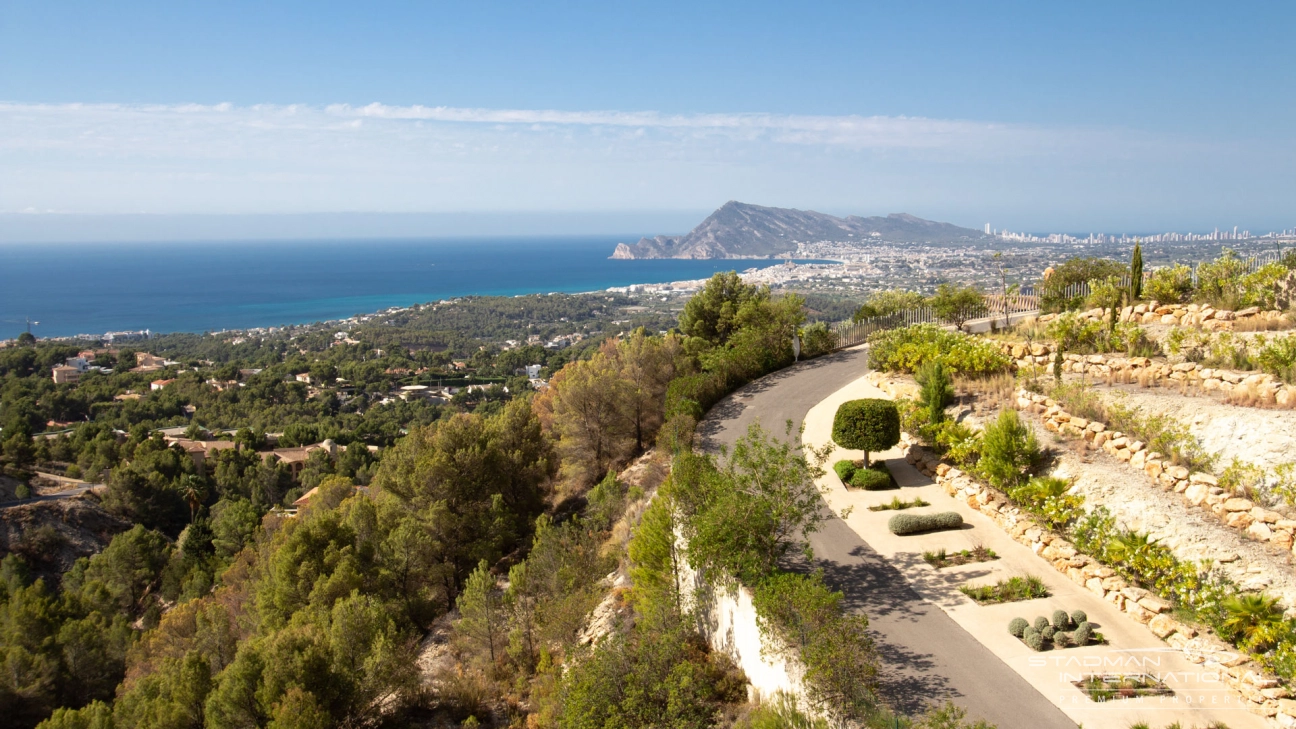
(1105, 117)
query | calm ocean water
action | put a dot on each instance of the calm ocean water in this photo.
(203, 286)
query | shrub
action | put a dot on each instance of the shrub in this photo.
(1035, 641)
(962, 444)
(902, 524)
(1041, 623)
(1170, 285)
(937, 390)
(1028, 631)
(1278, 357)
(1048, 632)
(1078, 617)
(694, 394)
(872, 479)
(1008, 451)
(1061, 620)
(1018, 626)
(1061, 639)
(1083, 633)
(908, 348)
(845, 470)
(817, 339)
(867, 425)
(1053, 294)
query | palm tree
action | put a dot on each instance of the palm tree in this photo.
(193, 492)
(1253, 618)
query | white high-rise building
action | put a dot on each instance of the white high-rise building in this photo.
(987, 229)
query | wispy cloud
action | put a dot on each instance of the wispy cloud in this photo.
(300, 158)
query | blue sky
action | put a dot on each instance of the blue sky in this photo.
(1045, 116)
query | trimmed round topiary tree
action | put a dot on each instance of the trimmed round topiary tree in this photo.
(1078, 617)
(867, 425)
(1018, 626)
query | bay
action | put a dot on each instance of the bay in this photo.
(210, 286)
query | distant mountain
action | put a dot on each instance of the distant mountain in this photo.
(739, 230)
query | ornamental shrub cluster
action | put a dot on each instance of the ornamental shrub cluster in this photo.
(872, 478)
(902, 524)
(1062, 631)
(908, 348)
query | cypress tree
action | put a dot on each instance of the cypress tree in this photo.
(1136, 273)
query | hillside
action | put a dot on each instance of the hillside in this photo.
(740, 230)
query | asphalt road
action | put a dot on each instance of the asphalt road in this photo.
(926, 657)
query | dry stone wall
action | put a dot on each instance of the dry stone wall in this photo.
(1188, 315)
(1267, 389)
(1198, 489)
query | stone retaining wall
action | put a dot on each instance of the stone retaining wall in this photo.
(1266, 388)
(1199, 489)
(1187, 315)
(1262, 693)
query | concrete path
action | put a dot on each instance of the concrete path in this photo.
(926, 656)
(1200, 697)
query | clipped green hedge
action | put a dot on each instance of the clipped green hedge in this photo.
(875, 478)
(845, 470)
(902, 524)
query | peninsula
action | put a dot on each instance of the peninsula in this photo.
(740, 230)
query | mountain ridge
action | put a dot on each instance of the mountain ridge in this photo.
(743, 230)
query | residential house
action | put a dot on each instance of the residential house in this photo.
(65, 375)
(159, 384)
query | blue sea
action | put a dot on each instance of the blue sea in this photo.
(209, 286)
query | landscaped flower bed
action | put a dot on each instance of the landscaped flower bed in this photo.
(1012, 589)
(940, 558)
(895, 504)
(1063, 631)
(1111, 686)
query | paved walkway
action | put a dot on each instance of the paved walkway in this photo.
(1200, 698)
(927, 656)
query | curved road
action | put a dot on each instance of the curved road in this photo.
(926, 657)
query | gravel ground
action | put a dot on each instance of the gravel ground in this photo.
(1257, 435)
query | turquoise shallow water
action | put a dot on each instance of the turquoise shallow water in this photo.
(195, 287)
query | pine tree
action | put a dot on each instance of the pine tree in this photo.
(1136, 273)
(480, 617)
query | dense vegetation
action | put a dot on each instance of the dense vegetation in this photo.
(445, 577)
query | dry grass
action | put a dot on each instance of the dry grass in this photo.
(1260, 324)
(992, 392)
